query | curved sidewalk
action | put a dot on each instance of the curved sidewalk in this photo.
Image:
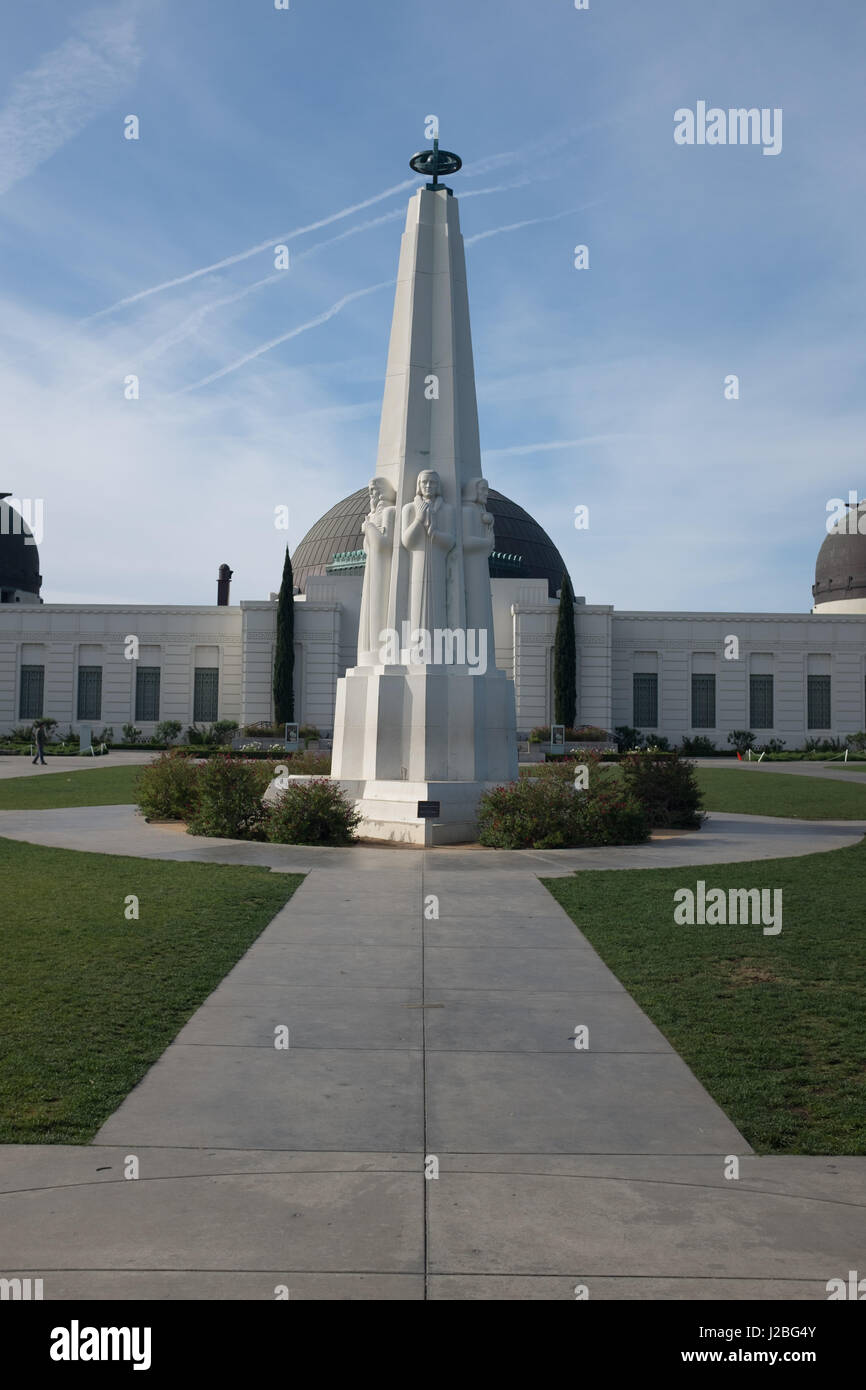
(726, 838)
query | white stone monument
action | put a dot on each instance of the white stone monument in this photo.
(425, 717)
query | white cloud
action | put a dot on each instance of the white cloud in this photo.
(53, 101)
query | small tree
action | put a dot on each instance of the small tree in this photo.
(667, 789)
(627, 738)
(565, 658)
(742, 739)
(284, 655)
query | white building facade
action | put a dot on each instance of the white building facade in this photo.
(787, 676)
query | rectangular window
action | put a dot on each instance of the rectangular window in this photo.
(146, 694)
(90, 692)
(703, 702)
(760, 702)
(818, 710)
(646, 700)
(206, 694)
(32, 688)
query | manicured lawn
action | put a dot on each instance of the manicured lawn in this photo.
(773, 1026)
(736, 789)
(781, 794)
(105, 786)
(89, 1000)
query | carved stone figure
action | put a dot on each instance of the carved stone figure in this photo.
(429, 533)
(378, 546)
(477, 546)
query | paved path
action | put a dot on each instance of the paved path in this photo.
(726, 838)
(414, 1037)
(14, 766)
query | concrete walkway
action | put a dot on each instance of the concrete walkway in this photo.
(414, 1037)
(15, 766)
(726, 838)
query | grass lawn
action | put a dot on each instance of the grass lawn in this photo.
(773, 1026)
(773, 793)
(107, 786)
(781, 794)
(89, 1000)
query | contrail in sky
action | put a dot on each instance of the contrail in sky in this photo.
(284, 337)
(483, 165)
(188, 325)
(530, 222)
(552, 444)
(252, 251)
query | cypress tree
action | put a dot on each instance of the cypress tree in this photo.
(565, 659)
(284, 654)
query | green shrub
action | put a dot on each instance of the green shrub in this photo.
(627, 738)
(741, 739)
(611, 818)
(545, 812)
(131, 734)
(657, 743)
(773, 745)
(666, 788)
(212, 735)
(105, 736)
(167, 788)
(312, 813)
(22, 734)
(230, 794)
(167, 730)
(697, 747)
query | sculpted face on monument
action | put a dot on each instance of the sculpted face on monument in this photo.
(382, 495)
(429, 485)
(476, 490)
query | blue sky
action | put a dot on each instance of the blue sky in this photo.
(602, 387)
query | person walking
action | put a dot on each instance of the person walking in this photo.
(39, 735)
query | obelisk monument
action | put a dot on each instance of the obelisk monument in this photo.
(425, 721)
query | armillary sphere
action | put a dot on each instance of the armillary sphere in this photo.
(434, 163)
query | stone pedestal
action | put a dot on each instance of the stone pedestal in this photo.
(423, 733)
